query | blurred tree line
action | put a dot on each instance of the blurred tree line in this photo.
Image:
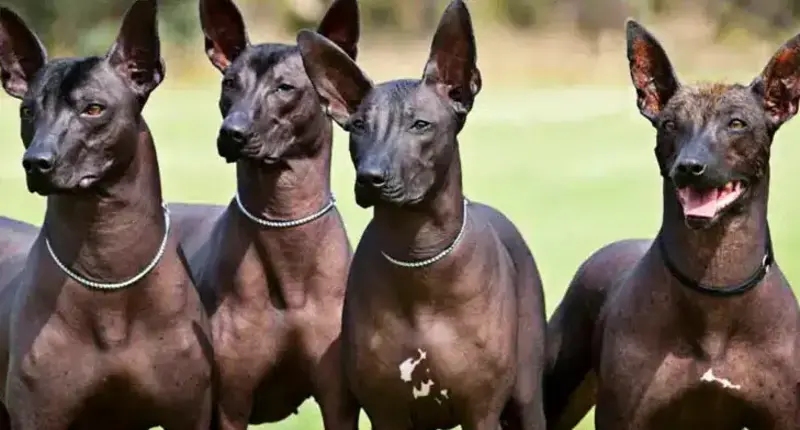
(71, 24)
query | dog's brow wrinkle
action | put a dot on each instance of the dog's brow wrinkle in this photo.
(265, 56)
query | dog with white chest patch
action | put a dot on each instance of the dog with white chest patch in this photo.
(697, 329)
(443, 322)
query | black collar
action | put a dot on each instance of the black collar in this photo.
(721, 291)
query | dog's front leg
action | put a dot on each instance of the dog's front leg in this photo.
(488, 421)
(29, 410)
(198, 421)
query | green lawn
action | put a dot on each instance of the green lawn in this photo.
(572, 167)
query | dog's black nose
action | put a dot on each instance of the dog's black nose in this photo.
(691, 167)
(38, 163)
(370, 177)
(235, 133)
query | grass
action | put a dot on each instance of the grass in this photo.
(573, 167)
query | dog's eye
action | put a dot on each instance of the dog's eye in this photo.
(357, 125)
(285, 88)
(737, 124)
(25, 112)
(420, 125)
(93, 109)
(229, 83)
(668, 125)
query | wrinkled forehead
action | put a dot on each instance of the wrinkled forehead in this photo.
(701, 102)
(65, 79)
(399, 98)
(270, 59)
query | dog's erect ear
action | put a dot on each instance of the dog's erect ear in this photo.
(21, 54)
(136, 54)
(342, 26)
(339, 82)
(779, 84)
(451, 66)
(224, 31)
(651, 72)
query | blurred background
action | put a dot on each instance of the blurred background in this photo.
(554, 141)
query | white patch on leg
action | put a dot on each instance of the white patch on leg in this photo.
(424, 389)
(726, 383)
(444, 394)
(407, 367)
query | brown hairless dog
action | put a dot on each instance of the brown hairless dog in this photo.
(697, 329)
(272, 265)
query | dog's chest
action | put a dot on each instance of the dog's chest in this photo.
(427, 374)
(642, 388)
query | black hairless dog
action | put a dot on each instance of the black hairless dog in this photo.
(102, 327)
(444, 314)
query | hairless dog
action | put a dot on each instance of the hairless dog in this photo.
(444, 320)
(102, 327)
(272, 265)
(697, 329)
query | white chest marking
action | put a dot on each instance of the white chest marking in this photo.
(407, 367)
(726, 383)
(424, 389)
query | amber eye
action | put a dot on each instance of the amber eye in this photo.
(736, 124)
(93, 109)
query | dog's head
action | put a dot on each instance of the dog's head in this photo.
(402, 132)
(713, 140)
(80, 117)
(267, 101)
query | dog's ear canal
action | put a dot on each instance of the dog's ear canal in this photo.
(21, 54)
(779, 84)
(451, 68)
(224, 32)
(136, 54)
(651, 71)
(341, 25)
(339, 82)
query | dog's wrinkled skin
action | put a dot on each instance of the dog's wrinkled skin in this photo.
(275, 295)
(460, 341)
(653, 353)
(71, 356)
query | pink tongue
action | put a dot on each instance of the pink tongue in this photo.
(699, 203)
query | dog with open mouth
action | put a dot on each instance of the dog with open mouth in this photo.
(697, 329)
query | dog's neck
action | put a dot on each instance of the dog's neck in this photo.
(110, 234)
(725, 254)
(427, 228)
(298, 186)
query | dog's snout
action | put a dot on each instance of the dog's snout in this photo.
(691, 167)
(39, 162)
(236, 132)
(371, 177)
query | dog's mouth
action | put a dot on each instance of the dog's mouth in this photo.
(705, 205)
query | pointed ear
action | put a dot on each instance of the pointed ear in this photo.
(451, 68)
(651, 71)
(21, 54)
(136, 54)
(779, 84)
(341, 25)
(224, 32)
(339, 82)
